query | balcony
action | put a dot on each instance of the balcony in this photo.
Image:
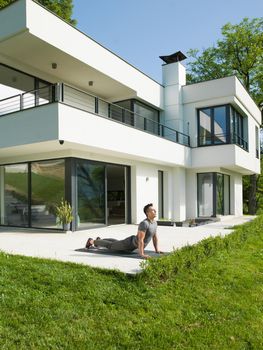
(223, 139)
(81, 100)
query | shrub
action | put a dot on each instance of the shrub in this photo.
(189, 257)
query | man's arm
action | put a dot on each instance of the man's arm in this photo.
(140, 238)
(155, 244)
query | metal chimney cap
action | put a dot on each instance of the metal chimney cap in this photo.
(175, 57)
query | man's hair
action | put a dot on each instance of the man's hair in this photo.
(147, 206)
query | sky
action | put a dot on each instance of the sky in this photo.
(139, 31)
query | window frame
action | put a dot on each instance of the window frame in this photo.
(234, 119)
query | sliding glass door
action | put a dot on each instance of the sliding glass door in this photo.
(213, 192)
(101, 194)
(205, 194)
(90, 194)
(14, 195)
(29, 193)
(47, 190)
(116, 194)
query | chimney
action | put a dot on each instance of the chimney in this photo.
(174, 77)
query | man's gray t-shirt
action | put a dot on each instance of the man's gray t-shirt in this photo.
(149, 228)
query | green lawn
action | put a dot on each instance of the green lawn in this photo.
(209, 296)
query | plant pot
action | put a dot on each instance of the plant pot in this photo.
(66, 227)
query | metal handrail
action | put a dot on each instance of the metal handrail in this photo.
(25, 100)
(231, 138)
(160, 129)
(91, 103)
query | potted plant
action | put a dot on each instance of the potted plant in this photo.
(64, 214)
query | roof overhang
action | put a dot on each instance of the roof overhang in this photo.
(33, 38)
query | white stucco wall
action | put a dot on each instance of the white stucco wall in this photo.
(16, 11)
(174, 77)
(145, 178)
(236, 195)
(88, 51)
(29, 126)
(191, 194)
(115, 138)
(229, 156)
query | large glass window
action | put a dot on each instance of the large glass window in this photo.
(221, 124)
(205, 129)
(150, 119)
(116, 194)
(238, 129)
(205, 194)
(13, 83)
(144, 116)
(90, 194)
(219, 194)
(48, 184)
(14, 195)
(99, 193)
(160, 194)
(20, 91)
(226, 190)
(213, 194)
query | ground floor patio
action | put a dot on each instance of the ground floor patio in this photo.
(70, 246)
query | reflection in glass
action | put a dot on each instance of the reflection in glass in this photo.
(226, 194)
(205, 194)
(146, 118)
(48, 183)
(90, 194)
(205, 127)
(160, 194)
(220, 131)
(213, 194)
(116, 194)
(14, 198)
(219, 194)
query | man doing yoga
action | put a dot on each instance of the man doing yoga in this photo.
(147, 230)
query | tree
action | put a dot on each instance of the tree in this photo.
(240, 53)
(62, 8)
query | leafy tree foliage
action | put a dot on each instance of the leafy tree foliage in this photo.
(62, 8)
(4, 3)
(240, 53)
(259, 192)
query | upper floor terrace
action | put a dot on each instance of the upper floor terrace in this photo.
(84, 120)
(27, 43)
(78, 99)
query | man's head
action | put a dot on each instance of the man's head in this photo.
(149, 211)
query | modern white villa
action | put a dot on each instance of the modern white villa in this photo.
(78, 122)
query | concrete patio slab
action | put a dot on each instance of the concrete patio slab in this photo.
(70, 246)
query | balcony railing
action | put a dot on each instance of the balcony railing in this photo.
(27, 100)
(89, 103)
(223, 138)
(93, 104)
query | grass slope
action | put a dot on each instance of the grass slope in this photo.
(209, 296)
